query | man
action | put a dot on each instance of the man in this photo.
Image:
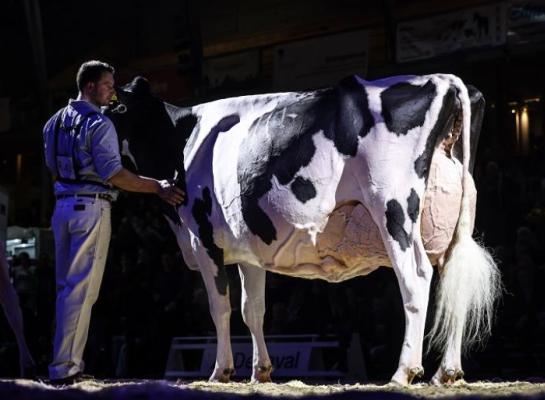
(82, 153)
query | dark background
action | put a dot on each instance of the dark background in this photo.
(148, 295)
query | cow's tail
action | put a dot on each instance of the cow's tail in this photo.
(469, 280)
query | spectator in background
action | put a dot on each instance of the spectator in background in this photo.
(10, 303)
(24, 281)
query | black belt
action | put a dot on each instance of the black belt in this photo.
(103, 196)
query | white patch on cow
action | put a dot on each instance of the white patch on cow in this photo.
(324, 171)
(184, 240)
(126, 152)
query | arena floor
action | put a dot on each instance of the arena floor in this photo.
(24, 389)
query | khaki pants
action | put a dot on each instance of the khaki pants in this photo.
(82, 230)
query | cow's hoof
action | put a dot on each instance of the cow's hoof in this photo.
(222, 376)
(405, 376)
(416, 372)
(262, 374)
(447, 376)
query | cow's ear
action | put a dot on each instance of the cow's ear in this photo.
(139, 86)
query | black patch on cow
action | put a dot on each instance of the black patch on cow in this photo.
(225, 124)
(413, 205)
(353, 115)
(404, 106)
(443, 125)
(185, 126)
(303, 189)
(184, 123)
(394, 223)
(477, 113)
(280, 143)
(202, 209)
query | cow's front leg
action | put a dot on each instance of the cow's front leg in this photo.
(414, 272)
(253, 311)
(217, 288)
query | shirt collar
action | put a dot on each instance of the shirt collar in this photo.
(83, 103)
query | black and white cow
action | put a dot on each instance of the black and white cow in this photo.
(327, 184)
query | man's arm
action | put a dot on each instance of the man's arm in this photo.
(107, 161)
(126, 180)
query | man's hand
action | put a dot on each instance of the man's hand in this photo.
(126, 180)
(170, 193)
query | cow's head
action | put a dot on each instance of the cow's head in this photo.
(152, 133)
(147, 132)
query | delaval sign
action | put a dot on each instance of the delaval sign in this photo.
(288, 359)
(291, 356)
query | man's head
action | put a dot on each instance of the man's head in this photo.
(95, 82)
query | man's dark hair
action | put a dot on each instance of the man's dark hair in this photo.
(91, 71)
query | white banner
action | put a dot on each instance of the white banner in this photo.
(321, 61)
(447, 33)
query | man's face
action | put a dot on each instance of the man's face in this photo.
(102, 91)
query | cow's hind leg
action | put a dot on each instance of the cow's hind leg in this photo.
(414, 272)
(450, 369)
(217, 288)
(253, 311)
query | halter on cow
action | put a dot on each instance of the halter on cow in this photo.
(327, 184)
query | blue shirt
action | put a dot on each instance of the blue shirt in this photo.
(96, 152)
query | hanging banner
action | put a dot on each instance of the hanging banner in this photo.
(230, 70)
(321, 61)
(447, 33)
(526, 22)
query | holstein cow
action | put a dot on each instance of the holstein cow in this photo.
(327, 184)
